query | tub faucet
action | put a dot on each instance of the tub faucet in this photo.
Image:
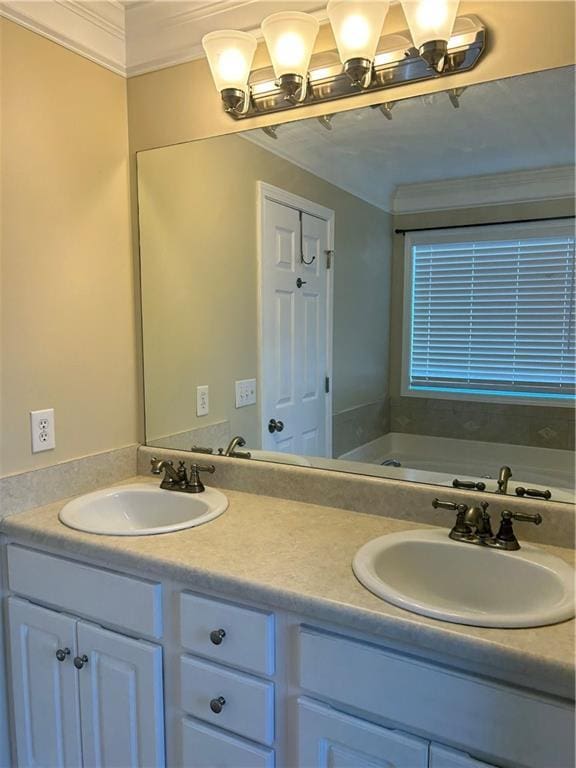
(503, 477)
(236, 442)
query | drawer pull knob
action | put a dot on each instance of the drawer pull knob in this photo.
(80, 661)
(216, 705)
(217, 635)
(61, 653)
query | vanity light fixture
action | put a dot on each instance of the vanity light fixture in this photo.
(437, 44)
(431, 23)
(357, 26)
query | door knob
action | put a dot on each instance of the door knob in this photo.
(300, 282)
(275, 426)
(61, 653)
(80, 661)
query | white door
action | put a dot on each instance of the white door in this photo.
(44, 686)
(329, 739)
(295, 330)
(121, 700)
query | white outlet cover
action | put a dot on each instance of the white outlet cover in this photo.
(202, 403)
(42, 430)
(245, 392)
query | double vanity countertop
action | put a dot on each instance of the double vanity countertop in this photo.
(297, 557)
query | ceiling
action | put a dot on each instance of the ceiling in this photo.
(517, 124)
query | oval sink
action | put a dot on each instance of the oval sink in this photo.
(427, 573)
(141, 510)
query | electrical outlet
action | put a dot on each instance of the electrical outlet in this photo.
(42, 430)
(245, 392)
(202, 405)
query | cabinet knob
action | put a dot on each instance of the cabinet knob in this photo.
(217, 635)
(216, 705)
(61, 653)
(80, 661)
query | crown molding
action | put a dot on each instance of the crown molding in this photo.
(496, 189)
(94, 29)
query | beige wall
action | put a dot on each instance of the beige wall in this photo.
(198, 236)
(180, 103)
(544, 426)
(67, 288)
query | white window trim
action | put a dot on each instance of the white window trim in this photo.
(482, 232)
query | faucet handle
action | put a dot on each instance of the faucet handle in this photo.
(451, 506)
(195, 485)
(506, 538)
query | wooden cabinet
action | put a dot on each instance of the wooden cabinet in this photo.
(442, 757)
(44, 690)
(83, 696)
(120, 700)
(330, 739)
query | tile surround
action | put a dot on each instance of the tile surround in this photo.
(358, 426)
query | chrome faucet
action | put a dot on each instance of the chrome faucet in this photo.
(503, 477)
(236, 442)
(178, 480)
(473, 525)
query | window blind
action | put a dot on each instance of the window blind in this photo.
(494, 316)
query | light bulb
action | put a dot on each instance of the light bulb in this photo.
(430, 19)
(357, 26)
(230, 55)
(290, 38)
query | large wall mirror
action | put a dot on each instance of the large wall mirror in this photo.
(387, 292)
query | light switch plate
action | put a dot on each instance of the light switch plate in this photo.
(245, 392)
(42, 430)
(202, 404)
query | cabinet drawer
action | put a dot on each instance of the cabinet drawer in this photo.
(330, 739)
(105, 596)
(248, 641)
(204, 747)
(249, 703)
(525, 729)
(442, 757)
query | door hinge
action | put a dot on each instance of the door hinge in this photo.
(329, 255)
(327, 384)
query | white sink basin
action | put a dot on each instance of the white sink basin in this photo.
(141, 510)
(426, 572)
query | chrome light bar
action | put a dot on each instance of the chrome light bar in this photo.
(396, 63)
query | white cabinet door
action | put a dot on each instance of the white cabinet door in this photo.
(330, 739)
(44, 689)
(442, 757)
(121, 700)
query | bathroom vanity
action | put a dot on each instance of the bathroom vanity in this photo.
(249, 642)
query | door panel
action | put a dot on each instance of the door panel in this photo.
(44, 690)
(442, 757)
(121, 700)
(330, 739)
(294, 330)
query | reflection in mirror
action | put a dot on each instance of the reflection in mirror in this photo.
(389, 292)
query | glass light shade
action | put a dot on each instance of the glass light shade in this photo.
(357, 26)
(290, 37)
(230, 54)
(430, 19)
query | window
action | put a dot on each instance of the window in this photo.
(489, 313)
